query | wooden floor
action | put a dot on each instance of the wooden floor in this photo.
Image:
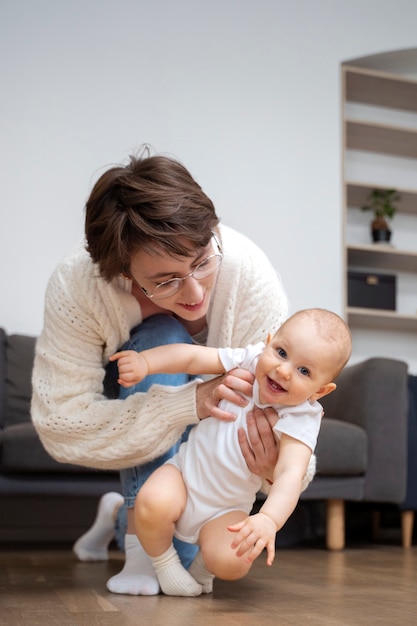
(375, 584)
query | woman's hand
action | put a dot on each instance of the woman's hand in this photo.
(259, 447)
(230, 386)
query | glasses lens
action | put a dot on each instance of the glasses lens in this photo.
(207, 267)
(204, 269)
(165, 290)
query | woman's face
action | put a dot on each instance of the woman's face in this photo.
(192, 299)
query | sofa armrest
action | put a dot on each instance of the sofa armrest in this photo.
(373, 394)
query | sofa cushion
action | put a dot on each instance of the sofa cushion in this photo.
(22, 451)
(20, 351)
(341, 449)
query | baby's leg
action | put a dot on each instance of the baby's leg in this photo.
(159, 504)
(215, 541)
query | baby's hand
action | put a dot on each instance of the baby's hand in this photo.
(255, 533)
(132, 367)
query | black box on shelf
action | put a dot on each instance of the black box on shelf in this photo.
(370, 290)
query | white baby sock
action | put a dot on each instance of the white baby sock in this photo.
(173, 577)
(137, 577)
(201, 574)
(93, 545)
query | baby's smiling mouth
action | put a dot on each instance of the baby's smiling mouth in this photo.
(274, 385)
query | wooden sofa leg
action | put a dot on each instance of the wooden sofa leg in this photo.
(407, 525)
(335, 524)
(376, 524)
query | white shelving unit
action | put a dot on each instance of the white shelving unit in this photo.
(380, 152)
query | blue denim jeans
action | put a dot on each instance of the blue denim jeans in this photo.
(156, 330)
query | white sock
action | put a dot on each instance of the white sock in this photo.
(93, 545)
(137, 577)
(173, 577)
(201, 574)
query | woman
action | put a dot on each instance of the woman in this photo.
(156, 268)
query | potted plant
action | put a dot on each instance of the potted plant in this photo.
(382, 203)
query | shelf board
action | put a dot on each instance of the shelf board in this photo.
(357, 196)
(379, 319)
(380, 89)
(381, 256)
(382, 139)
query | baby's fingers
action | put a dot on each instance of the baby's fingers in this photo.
(124, 383)
(255, 551)
(236, 527)
(270, 552)
(119, 355)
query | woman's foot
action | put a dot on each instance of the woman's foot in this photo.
(93, 545)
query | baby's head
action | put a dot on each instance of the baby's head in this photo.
(324, 329)
(302, 359)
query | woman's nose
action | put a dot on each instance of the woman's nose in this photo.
(192, 289)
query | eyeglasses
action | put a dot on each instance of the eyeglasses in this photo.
(204, 269)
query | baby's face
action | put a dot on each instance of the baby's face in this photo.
(295, 364)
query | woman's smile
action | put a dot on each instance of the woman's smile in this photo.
(193, 308)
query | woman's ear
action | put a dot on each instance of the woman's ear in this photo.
(323, 391)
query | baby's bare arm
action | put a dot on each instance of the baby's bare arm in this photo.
(257, 532)
(169, 359)
(288, 475)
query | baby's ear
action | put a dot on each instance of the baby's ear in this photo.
(323, 391)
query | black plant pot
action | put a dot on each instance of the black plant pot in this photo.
(381, 235)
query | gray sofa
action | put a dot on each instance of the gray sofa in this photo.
(361, 452)
(40, 499)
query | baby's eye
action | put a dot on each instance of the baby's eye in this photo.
(281, 352)
(304, 371)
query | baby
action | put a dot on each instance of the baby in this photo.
(206, 492)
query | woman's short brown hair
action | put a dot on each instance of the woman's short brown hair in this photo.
(152, 201)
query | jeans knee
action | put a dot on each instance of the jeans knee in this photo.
(158, 330)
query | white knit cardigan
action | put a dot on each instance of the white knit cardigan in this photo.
(87, 319)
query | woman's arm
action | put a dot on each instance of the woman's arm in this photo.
(78, 424)
(84, 323)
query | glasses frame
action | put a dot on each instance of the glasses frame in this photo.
(180, 280)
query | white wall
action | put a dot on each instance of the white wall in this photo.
(246, 94)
